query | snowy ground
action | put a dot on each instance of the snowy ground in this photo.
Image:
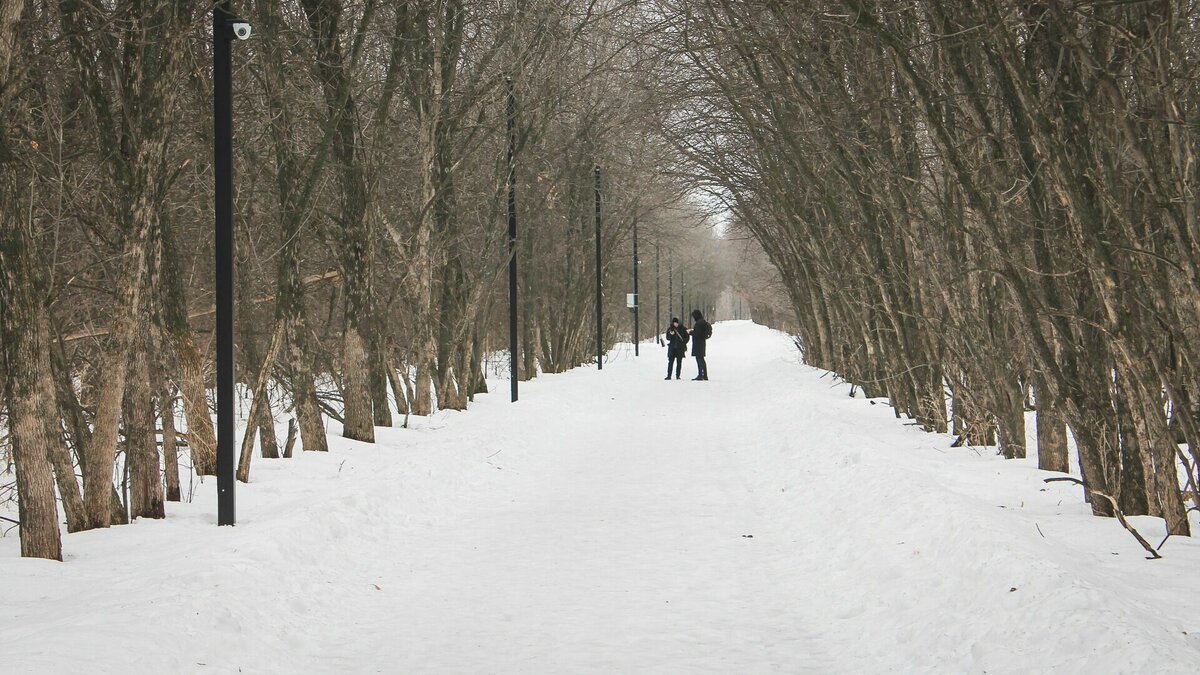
(611, 522)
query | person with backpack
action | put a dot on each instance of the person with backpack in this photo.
(701, 331)
(677, 339)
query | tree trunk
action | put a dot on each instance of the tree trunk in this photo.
(1051, 436)
(64, 477)
(304, 392)
(1131, 494)
(933, 401)
(291, 439)
(479, 383)
(29, 394)
(1011, 421)
(78, 435)
(422, 402)
(259, 405)
(24, 328)
(202, 439)
(399, 388)
(170, 447)
(263, 421)
(359, 424)
(100, 459)
(117, 513)
(377, 372)
(141, 450)
(268, 443)
(976, 428)
(1098, 443)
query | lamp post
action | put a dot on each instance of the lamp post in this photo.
(657, 299)
(599, 282)
(637, 300)
(512, 238)
(682, 297)
(225, 28)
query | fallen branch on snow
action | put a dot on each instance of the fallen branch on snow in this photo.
(1116, 511)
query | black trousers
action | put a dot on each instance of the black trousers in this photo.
(702, 367)
(674, 360)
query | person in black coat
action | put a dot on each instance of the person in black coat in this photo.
(677, 339)
(700, 332)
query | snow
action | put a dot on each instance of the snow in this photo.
(761, 522)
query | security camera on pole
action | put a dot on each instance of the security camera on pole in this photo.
(241, 29)
(226, 27)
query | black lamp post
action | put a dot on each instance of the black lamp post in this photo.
(226, 27)
(599, 285)
(657, 299)
(512, 237)
(683, 312)
(637, 300)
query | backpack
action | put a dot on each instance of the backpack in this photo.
(708, 331)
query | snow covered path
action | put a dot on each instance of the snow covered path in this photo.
(612, 522)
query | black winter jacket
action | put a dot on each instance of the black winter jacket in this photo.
(700, 332)
(677, 339)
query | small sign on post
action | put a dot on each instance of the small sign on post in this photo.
(631, 300)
